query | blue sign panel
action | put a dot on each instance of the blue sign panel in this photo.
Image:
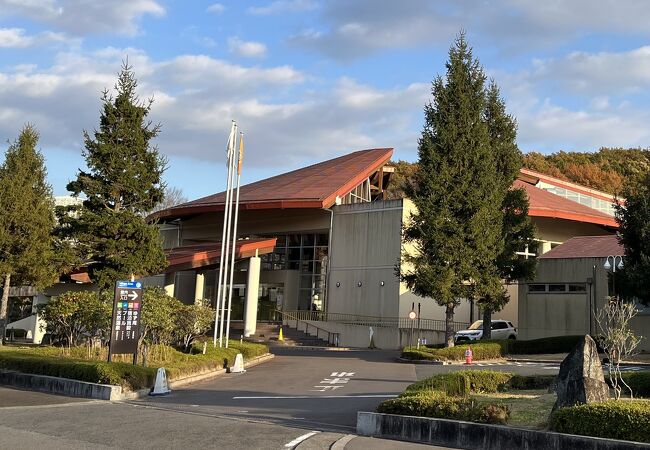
(129, 284)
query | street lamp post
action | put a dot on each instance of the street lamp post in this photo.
(612, 267)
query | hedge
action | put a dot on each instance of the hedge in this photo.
(555, 344)
(50, 361)
(480, 351)
(127, 375)
(623, 419)
(531, 381)
(462, 382)
(439, 404)
(638, 381)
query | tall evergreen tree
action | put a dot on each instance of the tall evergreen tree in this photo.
(456, 230)
(517, 229)
(122, 183)
(634, 230)
(26, 220)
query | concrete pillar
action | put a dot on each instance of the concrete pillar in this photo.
(252, 291)
(198, 287)
(170, 279)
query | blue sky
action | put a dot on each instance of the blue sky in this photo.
(312, 79)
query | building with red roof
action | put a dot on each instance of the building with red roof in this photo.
(329, 243)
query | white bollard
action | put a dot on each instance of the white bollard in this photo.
(160, 387)
(238, 367)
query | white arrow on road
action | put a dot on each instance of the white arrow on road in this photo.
(133, 296)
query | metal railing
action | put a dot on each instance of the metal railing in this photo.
(374, 321)
(333, 338)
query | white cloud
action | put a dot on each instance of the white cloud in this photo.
(283, 6)
(17, 38)
(83, 17)
(248, 49)
(216, 8)
(355, 29)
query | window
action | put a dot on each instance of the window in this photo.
(536, 288)
(499, 325)
(557, 287)
(578, 287)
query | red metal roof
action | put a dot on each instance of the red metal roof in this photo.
(208, 254)
(538, 176)
(587, 247)
(315, 186)
(546, 204)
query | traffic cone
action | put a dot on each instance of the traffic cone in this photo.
(280, 337)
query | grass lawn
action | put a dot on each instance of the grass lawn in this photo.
(528, 408)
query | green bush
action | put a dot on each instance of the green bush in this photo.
(439, 404)
(639, 382)
(462, 382)
(555, 344)
(623, 419)
(121, 374)
(481, 351)
(531, 381)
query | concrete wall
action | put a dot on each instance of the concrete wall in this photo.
(365, 249)
(358, 336)
(548, 314)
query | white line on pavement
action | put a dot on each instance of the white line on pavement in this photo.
(315, 396)
(299, 439)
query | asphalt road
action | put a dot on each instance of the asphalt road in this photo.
(300, 399)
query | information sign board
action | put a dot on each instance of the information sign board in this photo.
(125, 327)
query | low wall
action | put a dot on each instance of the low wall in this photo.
(359, 335)
(468, 435)
(61, 386)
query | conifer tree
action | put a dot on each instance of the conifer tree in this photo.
(634, 230)
(517, 229)
(122, 183)
(26, 220)
(456, 230)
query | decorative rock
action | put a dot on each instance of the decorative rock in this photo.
(581, 377)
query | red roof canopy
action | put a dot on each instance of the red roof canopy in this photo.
(587, 247)
(546, 204)
(315, 186)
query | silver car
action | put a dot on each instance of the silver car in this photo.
(501, 329)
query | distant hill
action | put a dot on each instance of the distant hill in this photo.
(606, 170)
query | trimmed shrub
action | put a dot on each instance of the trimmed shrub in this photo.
(531, 382)
(638, 381)
(462, 382)
(555, 344)
(439, 404)
(480, 350)
(615, 419)
(121, 374)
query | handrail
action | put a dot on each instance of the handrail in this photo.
(374, 321)
(330, 334)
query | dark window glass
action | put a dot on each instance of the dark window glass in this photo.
(293, 265)
(499, 325)
(308, 240)
(536, 288)
(293, 240)
(577, 288)
(321, 253)
(294, 254)
(306, 282)
(322, 239)
(557, 287)
(307, 254)
(281, 241)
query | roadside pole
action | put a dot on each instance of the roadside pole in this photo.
(419, 329)
(412, 317)
(240, 160)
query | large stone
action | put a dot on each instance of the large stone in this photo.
(581, 377)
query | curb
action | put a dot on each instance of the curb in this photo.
(470, 435)
(96, 391)
(318, 348)
(423, 361)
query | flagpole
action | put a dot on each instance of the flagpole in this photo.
(231, 174)
(234, 232)
(229, 154)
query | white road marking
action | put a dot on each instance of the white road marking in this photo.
(315, 396)
(299, 439)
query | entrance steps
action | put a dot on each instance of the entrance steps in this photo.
(268, 332)
(296, 338)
